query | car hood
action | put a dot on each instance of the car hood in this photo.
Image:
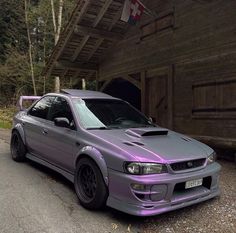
(154, 144)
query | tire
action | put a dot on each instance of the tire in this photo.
(18, 148)
(89, 185)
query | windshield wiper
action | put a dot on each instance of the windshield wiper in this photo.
(114, 127)
(100, 128)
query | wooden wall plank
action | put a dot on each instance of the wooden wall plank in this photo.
(200, 47)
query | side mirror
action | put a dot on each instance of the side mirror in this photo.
(62, 122)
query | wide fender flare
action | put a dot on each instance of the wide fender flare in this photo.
(96, 155)
(19, 128)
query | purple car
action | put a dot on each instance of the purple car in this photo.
(113, 154)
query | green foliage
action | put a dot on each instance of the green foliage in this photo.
(12, 27)
(15, 76)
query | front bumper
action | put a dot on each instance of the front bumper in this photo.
(166, 189)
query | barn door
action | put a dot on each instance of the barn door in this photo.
(157, 99)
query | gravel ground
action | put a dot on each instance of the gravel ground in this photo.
(217, 215)
(35, 199)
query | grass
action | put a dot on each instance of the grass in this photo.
(5, 125)
(6, 115)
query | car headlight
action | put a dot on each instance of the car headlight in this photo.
(137, 168)
(211, 158)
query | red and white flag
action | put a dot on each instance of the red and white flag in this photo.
(132, 11)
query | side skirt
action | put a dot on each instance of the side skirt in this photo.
(66, 174)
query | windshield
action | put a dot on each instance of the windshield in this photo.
(108, 114)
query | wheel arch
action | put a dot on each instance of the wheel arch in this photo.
(19, 128)
(97, 157)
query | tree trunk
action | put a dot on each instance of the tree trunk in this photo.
(83, 84)
(57, 84)
(54, 20)
(30, 48)
(57, 31)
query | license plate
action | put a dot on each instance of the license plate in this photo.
(193, 183)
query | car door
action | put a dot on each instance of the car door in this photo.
(63, 141)
(35, 125)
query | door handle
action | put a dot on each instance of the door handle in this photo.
(45, 131)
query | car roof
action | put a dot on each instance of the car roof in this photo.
(84, 94)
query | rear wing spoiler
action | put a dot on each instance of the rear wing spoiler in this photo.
(30, 99)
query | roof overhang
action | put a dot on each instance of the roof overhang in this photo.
(94, 27)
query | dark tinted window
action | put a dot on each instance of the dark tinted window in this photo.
(41, 108)
(61, 108)
(100, 113)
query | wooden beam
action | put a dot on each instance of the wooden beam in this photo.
(98, 44)
(102, 12)
(114, 21)
(131, 80)
(125, 77)
(218, 142)
(91, 75)
(64, 73)
(96, 22)
(63, 41)
(97, 33)
(75, 66)
(78, 50)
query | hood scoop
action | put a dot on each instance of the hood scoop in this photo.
(144, 132)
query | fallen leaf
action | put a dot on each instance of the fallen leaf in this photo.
(129, 228)
(114, 226)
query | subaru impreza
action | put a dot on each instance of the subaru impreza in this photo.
(114, 155)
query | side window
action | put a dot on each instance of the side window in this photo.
(41, 108)
(61, 108)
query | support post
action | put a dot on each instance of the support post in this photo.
(143, 91)
(83, 84)
(57, 84)
(96, 80)
(170, 90)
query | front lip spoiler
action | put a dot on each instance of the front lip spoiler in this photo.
(151, 210)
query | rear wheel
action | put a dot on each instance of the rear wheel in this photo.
(89, 184)
(18, 149)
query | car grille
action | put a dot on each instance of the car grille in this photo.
(187, 164)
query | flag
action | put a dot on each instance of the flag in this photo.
(132, 11)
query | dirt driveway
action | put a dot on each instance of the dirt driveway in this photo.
(36, 199)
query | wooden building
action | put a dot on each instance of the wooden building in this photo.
(177, 65)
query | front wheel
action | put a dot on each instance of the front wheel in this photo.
(89, 185)
(18, 149)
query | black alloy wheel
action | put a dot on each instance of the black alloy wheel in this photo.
(89, 184)
(18, 149)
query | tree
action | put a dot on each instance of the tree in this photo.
(30, 47)
(12, 28)
(57, 23)
(27, 38)
(13, 77)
